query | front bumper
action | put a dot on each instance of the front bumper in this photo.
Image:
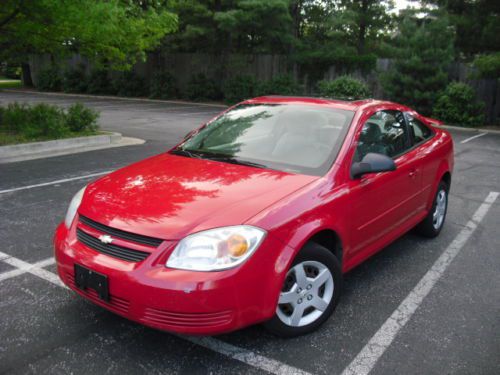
(180, 301)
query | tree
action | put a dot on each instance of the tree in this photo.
(113, 32)
(423, 50)
(224, 26)
(477, 23)
(364, 21)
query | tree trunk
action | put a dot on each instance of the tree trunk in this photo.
(26, 75)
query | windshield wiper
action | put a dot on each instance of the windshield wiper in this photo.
(187, 153)
(228, 159)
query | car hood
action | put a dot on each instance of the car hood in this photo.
(170, 196)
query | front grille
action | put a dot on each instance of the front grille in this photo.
(115, 303)
(110, 249)
(177, 319)
(137, 238)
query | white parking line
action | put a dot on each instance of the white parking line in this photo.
(55, 182)
(35, 269)
(473, 137)
(246, 356)
(378, 344)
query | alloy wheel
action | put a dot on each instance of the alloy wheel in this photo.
(307, 293)
(440, 210)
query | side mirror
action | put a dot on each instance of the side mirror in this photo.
(372, 163)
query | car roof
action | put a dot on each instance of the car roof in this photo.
(350, 105)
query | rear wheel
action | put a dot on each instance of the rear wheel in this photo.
(310, 292)
(433, 223)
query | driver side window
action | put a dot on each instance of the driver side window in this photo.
(383, 133)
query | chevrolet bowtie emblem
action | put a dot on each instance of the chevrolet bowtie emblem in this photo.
(105, 238)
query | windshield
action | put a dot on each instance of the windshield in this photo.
(288, 137)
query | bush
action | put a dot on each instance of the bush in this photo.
(163, 86)
(488, 66)
(200, 87)
(130, 84)
(343, 87)
(49, 80)
(99, 83)
(81, 119)
(74, 80)
(239, 88)
(10, 71)
(280, 85)
(47, 121)
(458, 106)
(41, 120)
(22, 123)
(15, 118)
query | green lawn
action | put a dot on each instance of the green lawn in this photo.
(10, 83)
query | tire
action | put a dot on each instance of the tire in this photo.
(434, 221)
(305, 296)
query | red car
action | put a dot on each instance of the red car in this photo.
(255, 216)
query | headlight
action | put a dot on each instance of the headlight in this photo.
(216, 249)
(73, 207)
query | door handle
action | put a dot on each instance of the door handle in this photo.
(413, 173)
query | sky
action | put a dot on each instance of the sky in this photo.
(402, 4)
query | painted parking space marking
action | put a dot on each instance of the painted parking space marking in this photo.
(61, 181)
(367, 358)
(24, 267)
(246, 356)
(473, 137)
(242, 355)
(34, 269)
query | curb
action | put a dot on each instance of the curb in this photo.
(451, 127)
(114, 97)
(38, 150)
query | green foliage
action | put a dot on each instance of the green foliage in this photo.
(488, 66)
(74, 80)
(49, 80)
(200, 88)
(23, 123)
(130, 84)
(41, 120)
(81, 119)
(163, 86)
(239, 88)
(458, 105)
(423, 52)
(343, 87)
(248, 26)
(99, 83)
(10, 71)
(114, 32)
(280, 85)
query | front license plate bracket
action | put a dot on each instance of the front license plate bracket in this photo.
(86, 278)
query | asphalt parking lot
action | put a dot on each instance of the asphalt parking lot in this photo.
(449, 323)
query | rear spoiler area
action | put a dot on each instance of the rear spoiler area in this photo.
(432, 121)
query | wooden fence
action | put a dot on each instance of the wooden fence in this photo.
(184, 65)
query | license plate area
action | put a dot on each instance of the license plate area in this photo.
(88, 279)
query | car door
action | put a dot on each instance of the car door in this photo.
(383, 202)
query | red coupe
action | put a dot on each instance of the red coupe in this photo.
(256, 215)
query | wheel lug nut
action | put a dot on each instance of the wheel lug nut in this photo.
(309, 286)
(309, 297)
(300, 300)
(299, 290)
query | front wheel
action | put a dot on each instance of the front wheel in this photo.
(310, 292)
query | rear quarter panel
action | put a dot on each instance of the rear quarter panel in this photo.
(437, 159)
